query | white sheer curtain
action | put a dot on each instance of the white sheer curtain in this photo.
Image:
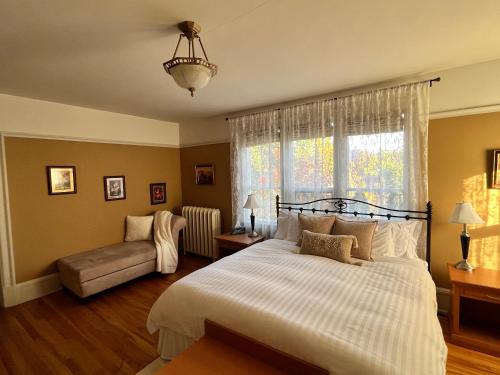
(308, 152)
(381, 146)
(255, 168)
(371, 146)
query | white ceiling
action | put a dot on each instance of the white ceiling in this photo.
(108, 54)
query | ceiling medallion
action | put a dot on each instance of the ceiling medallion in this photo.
(190, 72)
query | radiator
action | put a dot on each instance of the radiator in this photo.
(202, 225)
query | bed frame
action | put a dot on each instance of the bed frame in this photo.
(341, 206)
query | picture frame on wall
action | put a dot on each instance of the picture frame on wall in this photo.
(61, 179)
(495, 177)
(158, 192)
(114, 188)
(205, 174)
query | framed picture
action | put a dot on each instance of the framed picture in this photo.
(61, 179)
(495, 177)
(205, 174)
(158, 192)
(114, 188)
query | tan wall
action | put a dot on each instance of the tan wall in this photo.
(218, 195)
(458, 169)
(46, 228)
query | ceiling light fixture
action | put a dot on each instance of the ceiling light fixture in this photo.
(190, 72)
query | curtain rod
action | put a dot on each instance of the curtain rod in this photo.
(437, 79)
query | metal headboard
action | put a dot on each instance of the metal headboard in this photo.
(341, 206)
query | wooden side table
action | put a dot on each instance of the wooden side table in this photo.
(230, 243)
(481, 284)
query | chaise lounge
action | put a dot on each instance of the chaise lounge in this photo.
(96, 270)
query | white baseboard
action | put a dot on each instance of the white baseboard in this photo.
(443, 300)
(31, 289)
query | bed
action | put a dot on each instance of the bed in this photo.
(378, 317)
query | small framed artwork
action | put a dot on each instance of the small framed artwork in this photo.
(158, 192)
(61, 179)
(205, 174)
(495, 177)
(114, 188)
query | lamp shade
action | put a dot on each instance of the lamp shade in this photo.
(464, 213)
(251, 202)
(191, 76)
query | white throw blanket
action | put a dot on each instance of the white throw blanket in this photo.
(166, 253)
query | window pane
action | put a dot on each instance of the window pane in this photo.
(375, 168)
(313, 169)
(265, 177)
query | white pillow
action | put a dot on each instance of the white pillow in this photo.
(394, 238)
(283, 223)
(288, 226)
(405, 236)
(382, 242)
(293, 227)
(139, 228)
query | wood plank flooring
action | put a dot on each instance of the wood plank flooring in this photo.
(106, 334)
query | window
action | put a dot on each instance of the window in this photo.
(264, 177)
(369, 146)
(312, 169)
(375, 168)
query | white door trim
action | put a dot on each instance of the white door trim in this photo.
(31, 289)
(7, 264)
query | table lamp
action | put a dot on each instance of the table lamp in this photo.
(252, 203)
(464, 214)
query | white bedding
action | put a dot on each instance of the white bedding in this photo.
(378, 318)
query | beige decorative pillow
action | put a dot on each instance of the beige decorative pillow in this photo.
(362, 230)
(139, 228)
(315, 224)
(326, 245)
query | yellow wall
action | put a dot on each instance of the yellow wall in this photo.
(218, 195)
(458, 170)
(46, 228)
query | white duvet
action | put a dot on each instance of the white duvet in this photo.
(377, 318)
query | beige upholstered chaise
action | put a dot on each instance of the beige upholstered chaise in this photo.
(93, 271)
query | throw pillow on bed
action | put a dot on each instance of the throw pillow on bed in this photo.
(325, 245)
(362, 230)
(283, 224)
(139, 228)
(405, 236)
(394, 238)
(315, 224)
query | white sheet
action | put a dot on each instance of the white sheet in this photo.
(378, 318)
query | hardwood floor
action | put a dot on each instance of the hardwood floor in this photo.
(464, 361)
(106, 334)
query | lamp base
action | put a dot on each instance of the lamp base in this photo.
(253, 234)
(464, 265)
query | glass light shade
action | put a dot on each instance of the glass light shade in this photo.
(251, 202)
(191, 76)
(464, 213)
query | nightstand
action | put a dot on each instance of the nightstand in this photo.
(479, 285)
(230, 243)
